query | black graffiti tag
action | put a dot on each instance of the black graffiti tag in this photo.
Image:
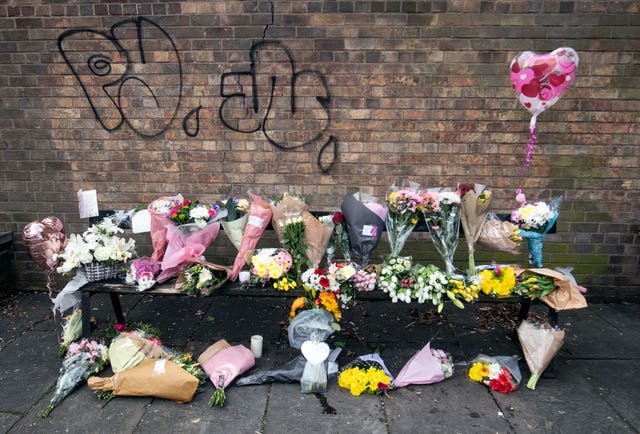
(130, 75)
(289, 107)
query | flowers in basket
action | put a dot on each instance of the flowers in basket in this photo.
(364, 376)
(200, 279)
(441, 211)
(475, 202)
(142, 272)
(498, 281)
(500, 373)
(83, 359)
(98, 246)
(272, 265)
(236, 219)
(404, 207)
(534, 221)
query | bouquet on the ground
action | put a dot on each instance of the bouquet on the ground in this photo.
(540, 343)
(431, 285)
(475, 202)
(498, 281)
(223, 363)
(83, 359)
(534, 221)
(317, 313)
(499, 235)
(397, 278)
(427, 366)
(299, 231)
(272, 265)
(365, 374)
(236, 218)
(71, 330)
(365, 278)
(314, 375)
(202, 279)
(194, 226)
(365, 220)
(555, 288)
(160, 378)
(98, 244)
(404, 207)
(259, 217)
(441, 211)
(461, 291)
(500, 373)
(142, 272)
(129, 348)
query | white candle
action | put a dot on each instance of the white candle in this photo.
(256, 346)
(244, 276)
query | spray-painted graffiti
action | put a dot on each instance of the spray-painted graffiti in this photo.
(123, 75)
(132, 75)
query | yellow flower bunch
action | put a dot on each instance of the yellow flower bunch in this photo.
(498, 282)
(467, 293)
(364, 379)
(326, 300)
(479, 371)
(285, 284)
(330, 303)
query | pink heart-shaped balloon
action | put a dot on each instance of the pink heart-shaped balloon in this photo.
(539, 80)
(42, 240)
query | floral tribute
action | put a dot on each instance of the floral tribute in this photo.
(404, 207)
(500, 373)
(498, 281)
(475, 203)
(442, 214)
(188, 212)
(200, 279)
(343, 273)
(321, 293)
(272, 266)
(365, 278)
(83, 359)
(364, 376)
(142, 272)
(397, 279)
(98, 244)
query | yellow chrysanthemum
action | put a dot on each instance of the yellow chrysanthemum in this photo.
(479, 371)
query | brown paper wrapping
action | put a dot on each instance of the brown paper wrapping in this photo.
(212, 351)
(566, 296)
(539, 345)
(496, 235)
(473, 216)
(158, 378)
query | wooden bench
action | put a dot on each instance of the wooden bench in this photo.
(117, 287)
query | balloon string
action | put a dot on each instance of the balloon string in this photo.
(531, 146)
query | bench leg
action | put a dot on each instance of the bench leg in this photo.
(117, 307)
(85, 303)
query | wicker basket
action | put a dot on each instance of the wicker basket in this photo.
(97, 271)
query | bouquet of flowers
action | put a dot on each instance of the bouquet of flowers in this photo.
(236, 218)
(364, 376)
(142, 272)
(534, 285)
(98, 244)
(258, 219)
(534, 221)
(460, 291)
(441, 211)
(499, 235)
(498, 281)
(83, 359)
(404, 207)
(339, 236)
(540, 343)
(365, 278)
(556, 288)
(343, 274)
(317, 317)
(397, 278)
(500, 373)
(201, 279)
(223, 363)
(365, 219)
(431, 284)
(158, 211)
(272, 265)
(427, 366)
(299, 231)
(475, 202)
(71, 330)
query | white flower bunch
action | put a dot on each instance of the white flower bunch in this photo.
(431, 284)
(396, 279)
(200, 214)
(448, 197)
(99, 243)
(535, 216)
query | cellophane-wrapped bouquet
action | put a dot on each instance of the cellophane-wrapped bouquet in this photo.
(441, 211)
(404, 207)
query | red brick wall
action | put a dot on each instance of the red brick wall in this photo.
(408, 90)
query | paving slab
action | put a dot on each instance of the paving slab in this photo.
(21, 312)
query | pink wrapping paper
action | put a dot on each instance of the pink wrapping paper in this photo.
(422, 368)
(229, 363)
(259, 218)
(159, 224)
(185, 244)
